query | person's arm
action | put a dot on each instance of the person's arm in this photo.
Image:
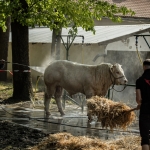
(138, 98)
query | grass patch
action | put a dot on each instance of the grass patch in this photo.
(6, 90)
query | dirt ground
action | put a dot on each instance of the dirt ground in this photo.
(16, 137)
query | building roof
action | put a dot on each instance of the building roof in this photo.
(140, 7)
(103, 35)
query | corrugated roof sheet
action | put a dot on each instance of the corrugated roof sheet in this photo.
(103, 33)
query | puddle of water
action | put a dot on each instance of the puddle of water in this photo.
(73, 122)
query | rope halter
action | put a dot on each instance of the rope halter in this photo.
(113, 81)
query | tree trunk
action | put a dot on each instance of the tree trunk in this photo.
(22, 83)
(55, 51)
(4, 40)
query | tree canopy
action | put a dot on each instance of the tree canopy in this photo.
(56, 14)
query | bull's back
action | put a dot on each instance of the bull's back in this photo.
(68, 74)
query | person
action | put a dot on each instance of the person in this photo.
(2, 63)
(143, 101)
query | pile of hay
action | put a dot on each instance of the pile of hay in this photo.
(66, 141)
(128, 142)
(111, 114)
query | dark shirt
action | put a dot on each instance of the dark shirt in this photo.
(143, 83)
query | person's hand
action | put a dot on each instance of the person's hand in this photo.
(138, 106)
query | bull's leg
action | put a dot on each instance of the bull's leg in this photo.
(57, 95)
(89, 116)
(47, 97)
(89, 93)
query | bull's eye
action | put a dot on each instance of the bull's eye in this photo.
(117, 72)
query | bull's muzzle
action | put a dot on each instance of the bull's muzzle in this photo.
(125, 81)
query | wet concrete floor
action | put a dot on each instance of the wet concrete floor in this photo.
(74, 122)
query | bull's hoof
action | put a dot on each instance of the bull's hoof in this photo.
(47, 114)
(89, 119)
(62, 114)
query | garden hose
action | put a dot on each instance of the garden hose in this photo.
(136, 44)
(36, 89)
(139, 55)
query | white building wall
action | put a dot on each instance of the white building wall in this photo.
(128, 44)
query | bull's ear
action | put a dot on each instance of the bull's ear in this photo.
(111, 68)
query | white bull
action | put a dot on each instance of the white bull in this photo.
(75, 78)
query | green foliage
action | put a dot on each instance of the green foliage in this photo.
(56, 14)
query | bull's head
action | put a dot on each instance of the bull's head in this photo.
(117, 74)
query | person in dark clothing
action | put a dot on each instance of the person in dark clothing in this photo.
(143, 101)
(2, 64)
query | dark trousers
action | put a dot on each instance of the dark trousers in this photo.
(144, 126)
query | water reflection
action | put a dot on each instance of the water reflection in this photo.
(75, 123)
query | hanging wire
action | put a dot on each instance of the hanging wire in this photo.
(36, 85)
(137, 50)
